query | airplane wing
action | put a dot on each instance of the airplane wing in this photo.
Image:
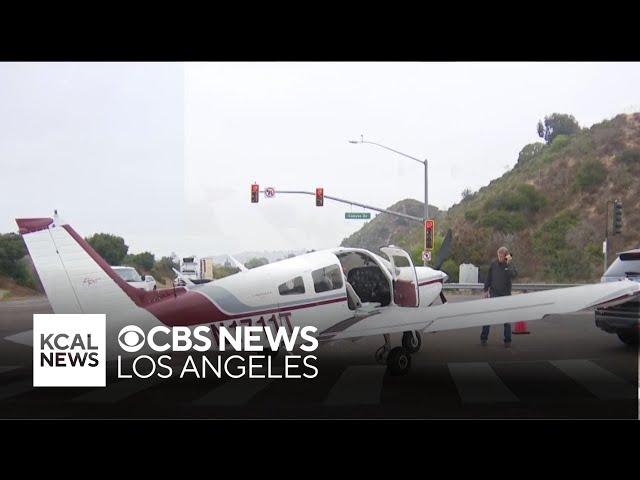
(488, 311)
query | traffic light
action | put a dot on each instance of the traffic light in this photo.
(617, 217)
(319, 197)
(429, 232)
(255, 193)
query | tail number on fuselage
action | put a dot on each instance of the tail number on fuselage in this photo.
(283, 320)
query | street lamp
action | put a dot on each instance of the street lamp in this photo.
(426, 172)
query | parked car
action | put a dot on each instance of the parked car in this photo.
(133, 278)
(622, 319)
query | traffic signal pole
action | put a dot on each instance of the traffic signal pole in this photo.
(351, 202)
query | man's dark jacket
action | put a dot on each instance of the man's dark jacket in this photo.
(498, 280)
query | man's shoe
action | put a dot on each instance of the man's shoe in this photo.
(483, 343)
(507, 344)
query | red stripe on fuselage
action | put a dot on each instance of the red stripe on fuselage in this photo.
(193, 308)
(429, 282)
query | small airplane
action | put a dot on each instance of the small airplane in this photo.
(346, 293)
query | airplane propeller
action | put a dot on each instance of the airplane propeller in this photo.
(444, 251)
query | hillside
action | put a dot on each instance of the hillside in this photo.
(550, 209)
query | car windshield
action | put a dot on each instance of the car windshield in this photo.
(128, 274)
(624, 266)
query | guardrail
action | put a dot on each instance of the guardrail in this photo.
(525, 287)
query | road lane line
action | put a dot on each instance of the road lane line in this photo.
(22, 338)
(478, 383)
(602, 383)
(235, 392)
(358, 385)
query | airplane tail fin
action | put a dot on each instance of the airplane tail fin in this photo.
(74, 276)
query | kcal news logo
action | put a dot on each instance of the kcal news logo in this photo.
(69, 350)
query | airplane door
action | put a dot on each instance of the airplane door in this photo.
(405, 280)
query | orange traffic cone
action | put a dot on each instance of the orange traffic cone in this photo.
(521, 328)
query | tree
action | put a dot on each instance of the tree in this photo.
(141, 261)
(110, 247)
(557, 124)
(466, 193)
(12, 249)
(256, 262)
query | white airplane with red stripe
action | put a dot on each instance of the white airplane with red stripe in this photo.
(346, 293)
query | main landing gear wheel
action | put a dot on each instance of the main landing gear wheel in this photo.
(398, 361)
(412, 341)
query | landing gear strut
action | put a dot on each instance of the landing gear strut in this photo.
(412, 341)
(383, 351)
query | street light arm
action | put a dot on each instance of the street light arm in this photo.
(392, 150)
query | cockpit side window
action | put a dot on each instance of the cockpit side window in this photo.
(327, 278)
(295, 286)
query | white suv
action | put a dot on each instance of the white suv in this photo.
(133, 278)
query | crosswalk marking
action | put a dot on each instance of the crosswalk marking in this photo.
(478, 383)
(236, 392)
(118, 391)
(15, 388)
(602, 383)
(22, 338)
(358, 385)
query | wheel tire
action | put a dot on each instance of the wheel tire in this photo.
(629, 338)
(410, 342)
(398, 361)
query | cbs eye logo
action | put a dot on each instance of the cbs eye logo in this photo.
(131, 338)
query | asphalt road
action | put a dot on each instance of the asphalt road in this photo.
(565, 368)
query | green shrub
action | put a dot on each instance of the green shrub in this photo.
(503, 221)
(559, 260)
(580, 146)
(630, 157)
(471, 215)
(451, 268)
(559, 142)
(590, 174)
(524, 198)
(529, 152)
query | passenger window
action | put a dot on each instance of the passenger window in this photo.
(294, 286)
(327, 278)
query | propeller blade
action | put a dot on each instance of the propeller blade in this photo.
(444, 251)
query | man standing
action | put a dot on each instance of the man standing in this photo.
(498, 284)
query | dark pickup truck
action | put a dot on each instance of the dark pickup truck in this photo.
(622, 319)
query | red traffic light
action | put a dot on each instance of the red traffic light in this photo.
(429, 229)
(255, 193)
(319, 197)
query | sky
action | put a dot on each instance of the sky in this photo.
(164, 154)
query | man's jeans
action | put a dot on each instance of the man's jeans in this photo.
(507, 332)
